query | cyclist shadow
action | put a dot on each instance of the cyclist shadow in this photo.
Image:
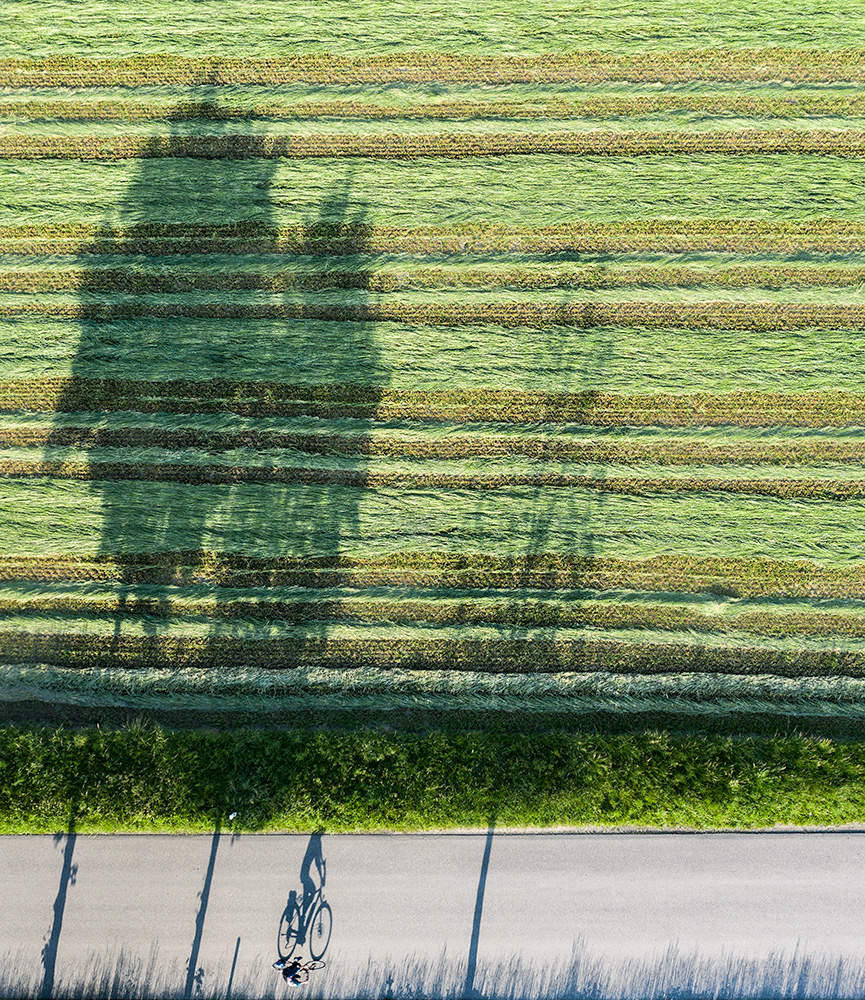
(307, 920)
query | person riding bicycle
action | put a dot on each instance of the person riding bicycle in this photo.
(293, 972)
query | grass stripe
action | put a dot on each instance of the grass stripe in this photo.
(260, 399)
(806, 489)
(726, 65)
(718, 314)
(669, 451)
(663, 708)
(520, 614)
(121, 279)
(266, 691)
(562, 108)
(728, 577)
(747, 142)
(743, 235)
(181, 683)
(493, 656)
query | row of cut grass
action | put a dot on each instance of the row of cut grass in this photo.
(267, 695)
(559, 108)
(743, 235)
(728, 577)
(374, 478)
(657, 451)
(521, 614)
(185, 686)
(795, 105)
(410, 472)
(132, 280)
(717, 314)
(716, 64)
(744, 142)
(416, 131)
(257, 399)
(489, 654)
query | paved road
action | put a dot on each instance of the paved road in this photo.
(563, 910)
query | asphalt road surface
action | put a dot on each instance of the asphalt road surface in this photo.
(433, 915)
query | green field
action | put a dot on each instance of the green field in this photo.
(496, 397)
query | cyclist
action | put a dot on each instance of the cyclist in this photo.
(293, 972)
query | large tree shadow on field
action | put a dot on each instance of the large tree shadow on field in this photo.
(541, 507)
(177, 519)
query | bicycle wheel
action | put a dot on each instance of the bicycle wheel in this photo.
(314, 965)
(289, 929)
(318, 935)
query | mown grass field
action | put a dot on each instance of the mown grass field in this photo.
(482, 397)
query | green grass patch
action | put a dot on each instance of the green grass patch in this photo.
(502, 190)
(456, 362)
(149, 778)
(50, 516)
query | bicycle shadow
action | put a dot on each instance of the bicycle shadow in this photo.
(307, 920)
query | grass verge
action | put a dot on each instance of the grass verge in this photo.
(145, 777)
(152, 778)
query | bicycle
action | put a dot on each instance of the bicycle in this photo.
(300, 975)
(308, 924)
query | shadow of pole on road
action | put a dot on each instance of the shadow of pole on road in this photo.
(68, 874)
(469, 989)
(194, 975)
